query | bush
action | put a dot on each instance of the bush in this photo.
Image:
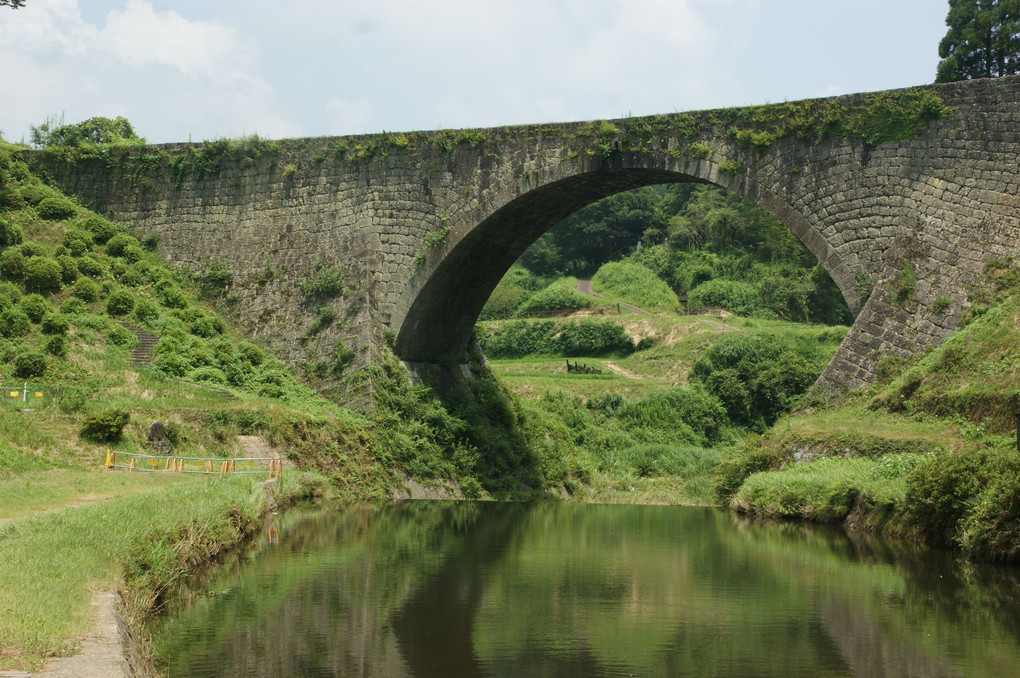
(120, 302)
(29, 365)
(756, 377)
(636, 284)
(945, 487)
(57, 346)
(55, 323)
(737, 297)
(10, 234)
(680, 410)
(73, 305)
(86, 289)
(131, 278)
(104, 427)
(35, 307)
(43, 274)
(33, 249)
(33, 194)
(68, 269)
(78, 241)
(91, 267)
(101, 229)
(122, 336)
(146, 311)
(518, 338)
(207, 327)
(14, 323)
(133, 254)
(207, 374)
(12, 265)
(592, 337)
(118, 244)
(55, 209)
(558, 297)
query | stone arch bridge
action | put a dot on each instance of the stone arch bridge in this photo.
(903, 196)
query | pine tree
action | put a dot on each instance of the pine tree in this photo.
(983, 40)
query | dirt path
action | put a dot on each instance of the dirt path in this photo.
(101, 655)
(584, 287)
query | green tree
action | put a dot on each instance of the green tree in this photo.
(983, 40)
(97, 130)
(13, 4)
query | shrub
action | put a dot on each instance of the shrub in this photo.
(55, 323)
(35, 307)
(943, 488)
(207, 327)
(14, 323)
(120, 302)
(12, 264)
(131, 277)
(251, 353)
(55, 209)
(33, 194)
(171, 364)
(11, 199)
(57, 345)
(73, 305)
(68, 269)
(43, 274)
(78, 241)
(122, 336)
(208, 374)
(33, 249)
(29, 365)
(756, 377)
(105, 426)
(102, 229)
(10, 234)
(86, 289)
(133, 254)
(592, 337)
(518, 338)
(677, 409)
(146, 311)
(636, 284)
(90, 266)
(734, 296)
(327, 283)
(118, 244)
(558, 297)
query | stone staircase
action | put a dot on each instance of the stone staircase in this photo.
(141, 356)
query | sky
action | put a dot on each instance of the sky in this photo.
(209, 69)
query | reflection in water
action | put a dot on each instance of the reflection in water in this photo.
(486, 589)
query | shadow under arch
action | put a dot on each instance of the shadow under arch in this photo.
(443, 310)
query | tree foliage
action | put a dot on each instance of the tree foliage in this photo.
(96, 130)
(983, 40)
(13, 4)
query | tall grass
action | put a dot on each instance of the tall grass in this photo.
(635, 284)
(53, 562)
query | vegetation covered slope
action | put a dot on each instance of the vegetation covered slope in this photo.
(929, 451)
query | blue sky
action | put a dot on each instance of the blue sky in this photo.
(206, 69)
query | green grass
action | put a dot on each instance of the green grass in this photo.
(53, 562)
(636, 285)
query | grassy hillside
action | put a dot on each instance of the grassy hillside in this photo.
(929, 451)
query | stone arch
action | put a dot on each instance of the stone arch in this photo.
(443, 300)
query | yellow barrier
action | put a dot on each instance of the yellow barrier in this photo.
(200, 465)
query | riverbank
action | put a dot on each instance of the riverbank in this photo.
(141, 542)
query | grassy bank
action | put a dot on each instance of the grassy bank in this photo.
(929, 451)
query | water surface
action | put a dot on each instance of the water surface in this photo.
(488, 589)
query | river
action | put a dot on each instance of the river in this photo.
(548, 589)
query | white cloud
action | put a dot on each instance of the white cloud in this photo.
(169, 75)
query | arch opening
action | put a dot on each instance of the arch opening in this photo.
(441, 317)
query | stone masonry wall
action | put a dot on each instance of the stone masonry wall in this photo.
(944, 202)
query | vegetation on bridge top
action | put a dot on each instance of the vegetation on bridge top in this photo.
(876, 118)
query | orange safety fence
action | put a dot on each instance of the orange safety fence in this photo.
(202, 465)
